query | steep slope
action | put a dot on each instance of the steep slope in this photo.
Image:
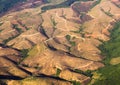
(18, 26)
(57, 46)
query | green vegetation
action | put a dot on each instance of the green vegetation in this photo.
(96, 3)
(1, 23)
(69, 39)
(54, 23)
(80, 30)
(75, 83)
(19, 30)
(10, 38)
(15, 26)
(37, 49)
(86, 73)
(111, 48)
(58, 71)
(24, 52)
(24, 65)
(110, 74)
(32, 80)
(107, 12)
(1, 30)
(27, 28)
(7, 4)
(72, 43)
(63, 15)
(37, 67)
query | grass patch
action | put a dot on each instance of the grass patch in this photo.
(19, 30)
(38, 49)
(53, 22)
(1, 30)
(111, 48)
(34, 81)
(80, 30)
(58, 71)
(24, 52)
(72, 43)
(115, 61)
(69, 39)
(1, 23)
(110, 74)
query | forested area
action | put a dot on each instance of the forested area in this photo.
(110, 74)
(6, 4)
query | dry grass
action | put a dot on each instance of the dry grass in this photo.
(115, 61)
(49, 60)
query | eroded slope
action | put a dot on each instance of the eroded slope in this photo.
(62, 42)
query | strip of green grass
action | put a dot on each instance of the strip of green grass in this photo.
(110, 74)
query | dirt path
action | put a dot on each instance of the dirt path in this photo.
(3, 33)
(29, 35)
(62, 20)
(86, 65)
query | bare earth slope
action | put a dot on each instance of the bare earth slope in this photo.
(62, 42)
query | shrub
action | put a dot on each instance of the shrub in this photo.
(15, 26)
(24, 52)
(58, 71)
(68, 37)
(75, 83)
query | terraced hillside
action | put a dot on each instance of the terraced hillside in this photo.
(43, 42)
